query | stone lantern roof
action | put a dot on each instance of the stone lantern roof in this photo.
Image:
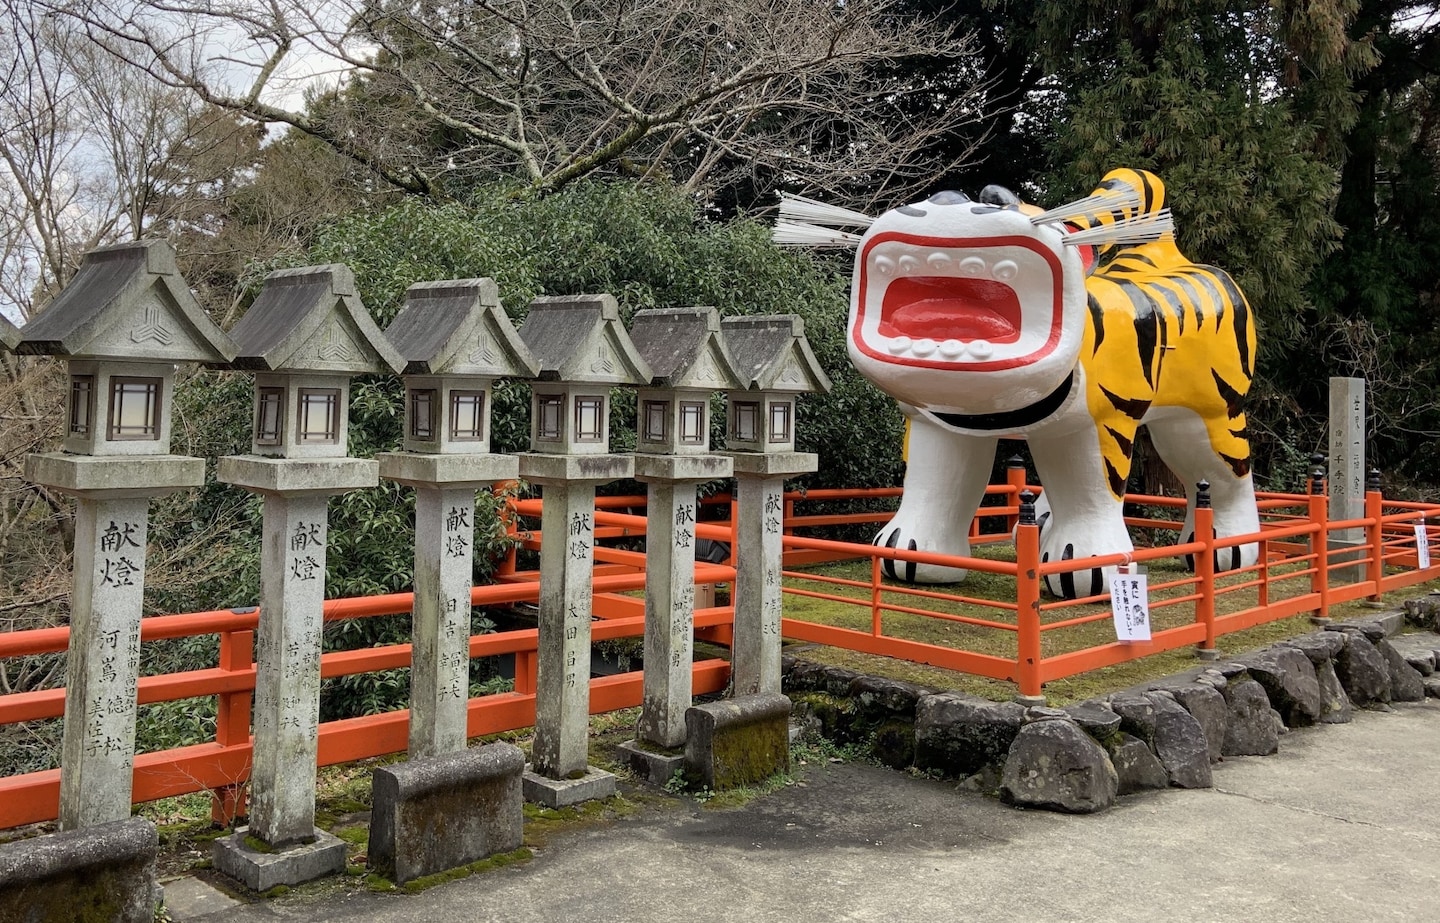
(311, 320)
(128, 302)
(772, 354)
(579, 339)
(684, 348)
(458, 327)
(9, 334)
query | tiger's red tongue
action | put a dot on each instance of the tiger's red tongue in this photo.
(942, 308)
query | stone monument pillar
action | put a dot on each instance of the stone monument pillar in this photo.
(304, 337)
(583, 351)
(685, 350)
(1347, 472)
(456, 340)
(122, 324)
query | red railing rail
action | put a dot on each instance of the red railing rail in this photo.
(222, 766)
(1296, 573)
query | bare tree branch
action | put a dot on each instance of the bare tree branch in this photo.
(437, 95)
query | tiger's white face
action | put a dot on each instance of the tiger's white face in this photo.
(962, 308)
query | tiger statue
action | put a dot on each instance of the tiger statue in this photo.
(1070, 329)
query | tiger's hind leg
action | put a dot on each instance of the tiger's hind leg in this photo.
(944, 483)
(1188, 445)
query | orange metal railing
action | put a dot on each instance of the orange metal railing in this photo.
(222, 765)
(1295, 573)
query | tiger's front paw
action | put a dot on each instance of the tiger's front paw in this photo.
(906, 534)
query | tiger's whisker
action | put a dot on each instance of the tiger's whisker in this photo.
(800, 210)
(795, 234)
(1092, 205)
(1138, 230)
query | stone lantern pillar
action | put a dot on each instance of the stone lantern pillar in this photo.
(775, 358)
(583, 352)
(305, 336)
(456, 340)
(121, 324)
(685, 350)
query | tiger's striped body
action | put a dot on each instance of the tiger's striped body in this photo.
(1073, 358)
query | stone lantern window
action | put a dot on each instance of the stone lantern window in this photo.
(468, 416)
(82, 405)
(583, 351)
(684, 348)
(773, 352)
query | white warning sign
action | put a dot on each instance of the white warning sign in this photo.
(1130, 603)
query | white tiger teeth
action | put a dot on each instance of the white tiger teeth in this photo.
(923, 348)
(952, 349)
(1005, 270)
(981, 349)
(899, 345)
(908, 265)
(972, 266)
(939, 261)
(884, 265)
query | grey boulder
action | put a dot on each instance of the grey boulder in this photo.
(1056, 766)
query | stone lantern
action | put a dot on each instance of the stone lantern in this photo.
(121, 324)
(583, 352)
(456, 340)
(685, 350)
(772, 353)
(305, 336)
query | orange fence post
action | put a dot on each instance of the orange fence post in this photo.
(525, 665)
(1205, 569)
(1015, 480)
(506, 567)
(875, 626)
(1374, 534)
(232, 722)
(1320, 545)
(1027, 599)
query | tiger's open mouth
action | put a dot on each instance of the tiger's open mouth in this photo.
(972, 304)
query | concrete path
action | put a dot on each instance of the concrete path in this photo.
(1341, 825)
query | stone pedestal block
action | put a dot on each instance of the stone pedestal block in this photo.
(261, 870)
(738, 741)
(104, 872)
(446, 811)
(590, 784)
(654, 766)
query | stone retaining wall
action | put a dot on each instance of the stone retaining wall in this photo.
(1169, 732)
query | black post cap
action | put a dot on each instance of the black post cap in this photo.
(1202, 495)
(1027, 508)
